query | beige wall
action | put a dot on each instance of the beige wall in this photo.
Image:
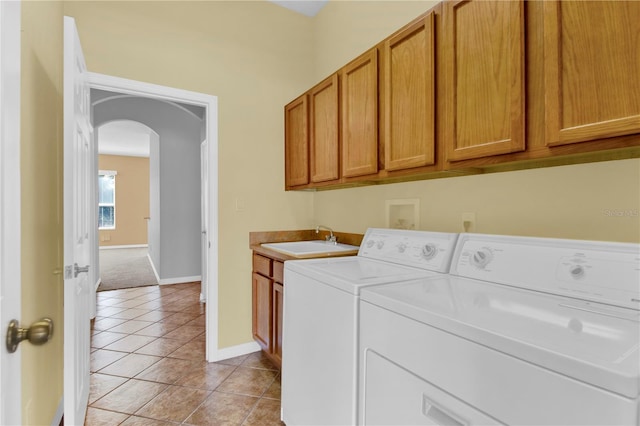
(132, 200)
(41, 191)
(255, 56)
(598, 201)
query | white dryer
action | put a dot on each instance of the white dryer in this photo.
(524, 331)
(321, 309)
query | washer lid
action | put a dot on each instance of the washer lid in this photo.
(352, 273)
(591, 342)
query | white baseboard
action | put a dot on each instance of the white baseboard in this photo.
(167, 281)
(124, 247)
(179, 280)
(234, 351)
(57, 418)
(155, 271)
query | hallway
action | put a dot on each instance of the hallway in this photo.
(148, 365)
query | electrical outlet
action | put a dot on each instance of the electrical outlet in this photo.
(469, 222)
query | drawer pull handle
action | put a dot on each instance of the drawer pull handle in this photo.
(438, 415)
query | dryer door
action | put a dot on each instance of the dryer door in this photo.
(394, 395)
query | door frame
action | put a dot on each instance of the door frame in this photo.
(10, 198)
(210, 103)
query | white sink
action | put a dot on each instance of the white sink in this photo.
(310, 248)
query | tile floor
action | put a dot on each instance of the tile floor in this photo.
(148, 365)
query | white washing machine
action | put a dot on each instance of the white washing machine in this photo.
(320, 329)
(524, 331)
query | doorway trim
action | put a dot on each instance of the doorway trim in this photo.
(10, 196)
(210, 103)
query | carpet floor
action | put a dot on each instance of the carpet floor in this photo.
(125, 268)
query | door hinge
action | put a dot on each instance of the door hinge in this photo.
(68, 272)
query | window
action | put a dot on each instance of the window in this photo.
(107, 199)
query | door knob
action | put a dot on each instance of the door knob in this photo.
(39, 333)
(79, 269)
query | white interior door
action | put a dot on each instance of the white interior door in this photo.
(204, 214)
(10, 365)
(77, 247)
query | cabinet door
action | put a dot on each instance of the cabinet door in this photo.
(262, 323)
(484, 78)
(296, 143)
(278, 299)
(409, 97)
(592, 70)
(359, 110)
(324, 131)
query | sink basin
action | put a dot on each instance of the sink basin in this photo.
(311, 248)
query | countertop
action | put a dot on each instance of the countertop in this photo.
(257, 238)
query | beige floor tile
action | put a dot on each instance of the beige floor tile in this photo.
(194, 349)
(107, 323)
(174, 404)
(102, 358)
(97, 417)
(130, 365)
(199, 321)
(248, 381)
(130, 303)
(131, 313)
(233, 361)
(155, 316)
(265, 413)
(168, 370)
(129, 397)
(157, 329)
(102, 384)
(160, 347)
(273, 391)
(142, 421)
(185, 333)
(179, 318)
(130, 343)
(223, 409)
(258, 360)
(206, 376)
(174, 363)
(149, 304)
(104, 338)
(130, 326)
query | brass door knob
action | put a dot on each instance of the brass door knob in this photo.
(39, 333)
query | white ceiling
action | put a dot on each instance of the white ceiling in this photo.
(124, 137)
(306, 7)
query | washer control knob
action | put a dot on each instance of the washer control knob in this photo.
(370, 243)
(402, 247)
(576, 271)
(429, 251)
(482, 257)
(380, 244)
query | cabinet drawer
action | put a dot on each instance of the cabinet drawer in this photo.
(278, 271)
(262, 265)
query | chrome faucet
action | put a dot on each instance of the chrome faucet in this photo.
(330, 238)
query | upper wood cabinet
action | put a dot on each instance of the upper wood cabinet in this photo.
(359, 112)
(484, 78)
(592, 70)
(296, 143)
(324, 131)
(409, 96)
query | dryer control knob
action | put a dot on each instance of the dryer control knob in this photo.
(576, 271)
(429, 251)
(482, 257)
(380, 244)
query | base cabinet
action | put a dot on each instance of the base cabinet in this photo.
(267, 292)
